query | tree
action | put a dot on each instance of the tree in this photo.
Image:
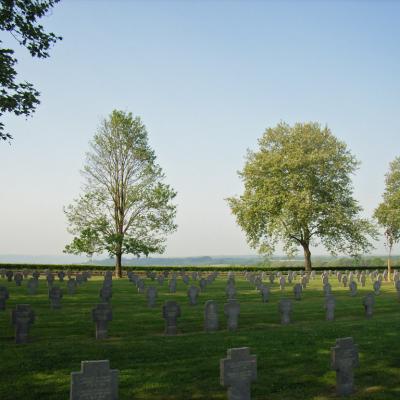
(297, 190)
(20, 19)
(125, 207)
(388, 212)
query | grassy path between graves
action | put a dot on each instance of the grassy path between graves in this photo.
(293, 361)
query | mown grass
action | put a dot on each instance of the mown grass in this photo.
(293, 361)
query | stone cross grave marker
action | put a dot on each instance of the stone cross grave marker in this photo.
(282, 282)
(327, 289)
(71, 286)
(61, 276)
(203, 284)
(55, 296)
(237, 371)
(193, 293)
(344, 358)
(230, 291)
(140, 286)
(172, 285)
(18, 278)
(50, 280)
(106, 294)
(211, 316)
(9, 275)
(79, 280)
(297, 290)
(330, 304)
(151, 296)
(264, 291)
(22, 317)
(377, 287)
(32, 286)
(368, 303)
(101, 315)
(353, 288)
(232, 311)
(385, 275)
(108, 275)
(160, 279)
(397, 286)
(171, 311)
(95, 381)
(4, 296)
(285, 308)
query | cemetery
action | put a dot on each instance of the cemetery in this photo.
(200, 335)
(201, 200)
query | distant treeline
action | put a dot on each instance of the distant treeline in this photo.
(206, 260)
(330, 262)
(273, 262)
(222, 268)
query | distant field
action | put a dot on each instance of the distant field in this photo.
(293, 361)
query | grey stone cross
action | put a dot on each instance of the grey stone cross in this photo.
(232, 311)
(95, 381)
(171, 311)
(237, 371)
(344, 358)
(101, 315)
(4, 295)
(368, 303)
(22, 317)
(285, 308)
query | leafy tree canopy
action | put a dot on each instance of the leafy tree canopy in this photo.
(388, 211)
(298, 191)
(125, 207)
(20, 19)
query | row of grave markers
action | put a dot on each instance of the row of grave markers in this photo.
(96, 381)
(23, 316)
(55, 293)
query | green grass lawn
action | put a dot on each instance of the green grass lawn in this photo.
(293, 361)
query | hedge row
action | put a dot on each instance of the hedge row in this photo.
(90, 267)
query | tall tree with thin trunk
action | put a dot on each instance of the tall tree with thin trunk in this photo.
(388, 212)
(125, 207)
(298, 191)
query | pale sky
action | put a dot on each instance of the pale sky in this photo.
(207, 78)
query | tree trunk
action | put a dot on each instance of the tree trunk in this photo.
(118, 268)
(307, 257)
(389, 263)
